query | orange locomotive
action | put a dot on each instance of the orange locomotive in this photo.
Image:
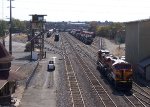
(118, 71)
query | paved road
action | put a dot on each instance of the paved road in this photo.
(17, 51)
(42, 88)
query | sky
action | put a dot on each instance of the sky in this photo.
(78, 10)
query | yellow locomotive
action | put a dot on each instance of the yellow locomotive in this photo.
(118, 71)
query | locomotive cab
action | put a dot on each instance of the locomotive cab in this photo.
(122, 75)
(117, 71)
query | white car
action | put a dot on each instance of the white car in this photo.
(51, 66)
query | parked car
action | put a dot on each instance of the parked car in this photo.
(51, 66)
(56, 37)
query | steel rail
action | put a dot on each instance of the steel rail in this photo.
(97, 88)
(139, 100)
(141, 89)
(76, 94)
(130, 101)
(143, 100)
(141, 94)
(124, 96)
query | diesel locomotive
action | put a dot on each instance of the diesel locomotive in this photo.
(117, 71)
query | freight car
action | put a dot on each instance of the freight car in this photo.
(117, 71)
(84, 36)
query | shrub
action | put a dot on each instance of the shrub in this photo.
(28, 47)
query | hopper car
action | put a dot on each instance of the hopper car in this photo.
(84, 36)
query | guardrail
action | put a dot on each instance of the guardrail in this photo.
(30, 77)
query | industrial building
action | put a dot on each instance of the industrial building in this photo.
(6, 81)
(137, 50)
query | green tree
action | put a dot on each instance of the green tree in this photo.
(18, 25)
(28, 47)
(93, 26)
(114, 28)
(3, 27)
(109, 31)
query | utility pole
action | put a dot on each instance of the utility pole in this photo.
(10, 29)
(100, 42)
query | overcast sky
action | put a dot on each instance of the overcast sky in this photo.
(78, 10)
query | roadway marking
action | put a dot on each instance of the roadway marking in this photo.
(54, 59)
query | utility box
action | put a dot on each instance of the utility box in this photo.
(34, 56)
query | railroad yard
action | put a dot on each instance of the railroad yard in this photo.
(75, 82)
(74, 53)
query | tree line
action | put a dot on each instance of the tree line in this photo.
(17, 26)
(107, 29)
(115, 31)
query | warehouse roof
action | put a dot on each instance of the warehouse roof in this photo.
(136, 21)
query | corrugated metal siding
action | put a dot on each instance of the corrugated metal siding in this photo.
(131, 42)
(144, 40)
(137, 45)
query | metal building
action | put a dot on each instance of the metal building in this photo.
(137, 46)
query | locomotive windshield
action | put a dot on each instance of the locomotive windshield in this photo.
(122, 66)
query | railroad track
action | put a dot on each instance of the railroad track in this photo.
(53, 47)
(134, 99)
(74, 88)
(103, 96)
(85, 48)
(142, 97)
(141, 94)
(142, 90)
(92, 47)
